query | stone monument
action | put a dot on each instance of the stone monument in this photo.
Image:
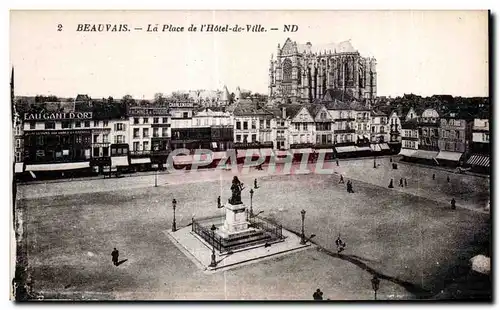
(236, 220)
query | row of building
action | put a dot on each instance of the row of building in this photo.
(76, 136)
(456, 138)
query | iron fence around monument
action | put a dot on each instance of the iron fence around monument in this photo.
(275, 230)
(206, 234)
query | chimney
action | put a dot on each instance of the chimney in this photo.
(283, 112)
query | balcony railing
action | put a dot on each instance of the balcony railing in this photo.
(344, 131)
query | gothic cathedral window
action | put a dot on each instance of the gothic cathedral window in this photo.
(287, 70)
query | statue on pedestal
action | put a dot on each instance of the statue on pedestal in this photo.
(236, 189)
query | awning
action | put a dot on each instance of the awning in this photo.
(58, 167)
(268, 152)
(479, 160)
(219, 155)
(363, 148)
(119, 161)
(425, 154)
(302, 151)
(323, 151)
(145, 160)
(375, 147)
(281, 153)
(183, 159)
(453, 156)
(18, 167)
(407, 152)
(384, 146)
(345, 149)
(248, 153)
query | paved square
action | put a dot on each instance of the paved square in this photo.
(408, 235)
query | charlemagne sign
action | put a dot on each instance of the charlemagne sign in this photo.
(46, 116)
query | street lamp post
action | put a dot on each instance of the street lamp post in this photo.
(303, 236)
(251, 202)
(156, 178)
(174, 204)
(375, 285)
(213, 263)
(374, 162)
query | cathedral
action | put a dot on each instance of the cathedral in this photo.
(302, 73)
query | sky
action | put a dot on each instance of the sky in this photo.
(420, 52)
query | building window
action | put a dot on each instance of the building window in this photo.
(105, 123)
(136, 132)
(245, 138)
(165, 120)
(96, 138)
(254, 126)
(105, 138)
(245, 125)
(96, 123)
(18, 143)
(238, 125)
(136, 146)
(238, 138)
(164, 132)
(19, 157)
(78, 124)
(66, 125)
(119, 139)
(145, 120)
(254, 138)
(287, 70)
(50, 125)
(119, 127)
(155, 132)
(268, 124)
(136, 120)
(105, 151)
(87, 124)
(95, 152)
(78, 139)
(373, 129)
(297, 126)
(486, 137)
(156, 120)
(145, 133)
(146, 145)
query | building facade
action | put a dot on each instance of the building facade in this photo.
(303, 72)
(455, 134)
(394, 128)
(428, 130)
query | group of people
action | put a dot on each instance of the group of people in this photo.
(348, 184)
(402, 183)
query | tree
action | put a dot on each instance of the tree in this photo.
(160, 99)
(231, 98)
(128, 100)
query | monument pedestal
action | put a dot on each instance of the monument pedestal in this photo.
(236, 222)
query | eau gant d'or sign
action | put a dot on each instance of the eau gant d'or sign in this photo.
(44, 116)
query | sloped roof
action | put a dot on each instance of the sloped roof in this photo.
(378, 113)
(225, 94)
(247, 107)
(314, 109)
(341, 47)
(332, 94)
(291, 109)
(81, 97)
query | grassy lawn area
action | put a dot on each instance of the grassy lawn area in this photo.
(418, 244)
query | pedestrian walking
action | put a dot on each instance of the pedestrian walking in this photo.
(406, 183)
(448, 179)
(390, 184)
(337, 161)
(390, 159)
(255, 184)
(453, 202)
(349, 187)
(401, 182)
(341, 179)
(340, 245)
(114, 256)
(433, 176)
